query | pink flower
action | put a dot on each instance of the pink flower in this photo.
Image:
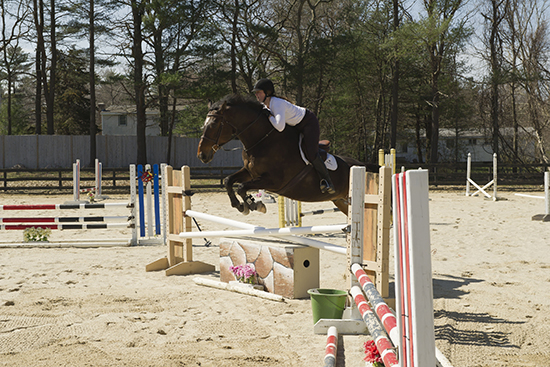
(244, 273)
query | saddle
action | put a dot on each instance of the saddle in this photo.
(330, 163)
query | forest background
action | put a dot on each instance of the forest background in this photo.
(375, 72)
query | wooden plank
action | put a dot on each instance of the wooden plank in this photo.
(370, 224)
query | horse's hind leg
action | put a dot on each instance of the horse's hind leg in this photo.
(342, 204)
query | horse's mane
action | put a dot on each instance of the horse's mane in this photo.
(238, 100)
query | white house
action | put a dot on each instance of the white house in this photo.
(469, 141)
(121, 120)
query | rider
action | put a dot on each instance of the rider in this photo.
(285, 112)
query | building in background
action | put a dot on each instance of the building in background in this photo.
(455, 147)
(121, 120)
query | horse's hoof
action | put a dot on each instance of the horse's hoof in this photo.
(244, 209)
(261, 207)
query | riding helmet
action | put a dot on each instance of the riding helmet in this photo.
(266, 85)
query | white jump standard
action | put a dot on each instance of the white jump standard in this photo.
(546, 216)
(493, 182)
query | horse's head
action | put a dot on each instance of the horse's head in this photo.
(235, 116)
(216, 132)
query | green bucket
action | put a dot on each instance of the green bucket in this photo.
(327, 303)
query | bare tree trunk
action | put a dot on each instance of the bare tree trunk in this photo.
(139, 85)
(496, 72)
(395, 81)
(437, 49)
(93, 126)
(163, 90)
(50, 95)
(434, 133)
(37, 10)
(234, 31)
(6, 65)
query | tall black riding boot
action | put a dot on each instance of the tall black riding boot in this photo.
(325, 184)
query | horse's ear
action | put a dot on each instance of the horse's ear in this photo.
(210, 103)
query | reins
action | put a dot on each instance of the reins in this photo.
(236, 134)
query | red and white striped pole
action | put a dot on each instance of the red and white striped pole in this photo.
(18, 227)
(413, 273)
(332, 347)
(381, 340)
(380, 307)
(63, 206)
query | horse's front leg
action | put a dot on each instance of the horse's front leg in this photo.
(256, 184)
(240, 176)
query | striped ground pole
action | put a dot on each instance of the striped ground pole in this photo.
(62, 219)
(381, 340)
(380, 307)
(332, 347)
(61, 206)
(65, 226)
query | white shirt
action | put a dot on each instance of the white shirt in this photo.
(284, 113)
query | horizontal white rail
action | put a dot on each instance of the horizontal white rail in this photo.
(267, 231)
(213, 218)
(246, 226)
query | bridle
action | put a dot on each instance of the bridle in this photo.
(236, 134)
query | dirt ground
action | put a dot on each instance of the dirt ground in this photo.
(98, 306)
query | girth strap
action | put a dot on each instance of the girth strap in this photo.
(303, 173)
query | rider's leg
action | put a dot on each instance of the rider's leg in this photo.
(325, 183)
(310, 128)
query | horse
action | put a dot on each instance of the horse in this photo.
(272, 160)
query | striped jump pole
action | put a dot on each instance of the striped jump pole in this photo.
(62, 206)
(65, 226)
(383, 343)
(319, 212)
(332, 347)
(146, 176)
(22, 223)
(380, 307)
(413, 269)
(63, 219)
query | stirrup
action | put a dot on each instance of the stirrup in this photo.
(326, 187)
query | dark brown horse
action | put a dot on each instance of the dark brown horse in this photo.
(272, 159)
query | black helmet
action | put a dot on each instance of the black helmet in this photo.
(266, 85)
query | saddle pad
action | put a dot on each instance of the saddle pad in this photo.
(330, 162)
